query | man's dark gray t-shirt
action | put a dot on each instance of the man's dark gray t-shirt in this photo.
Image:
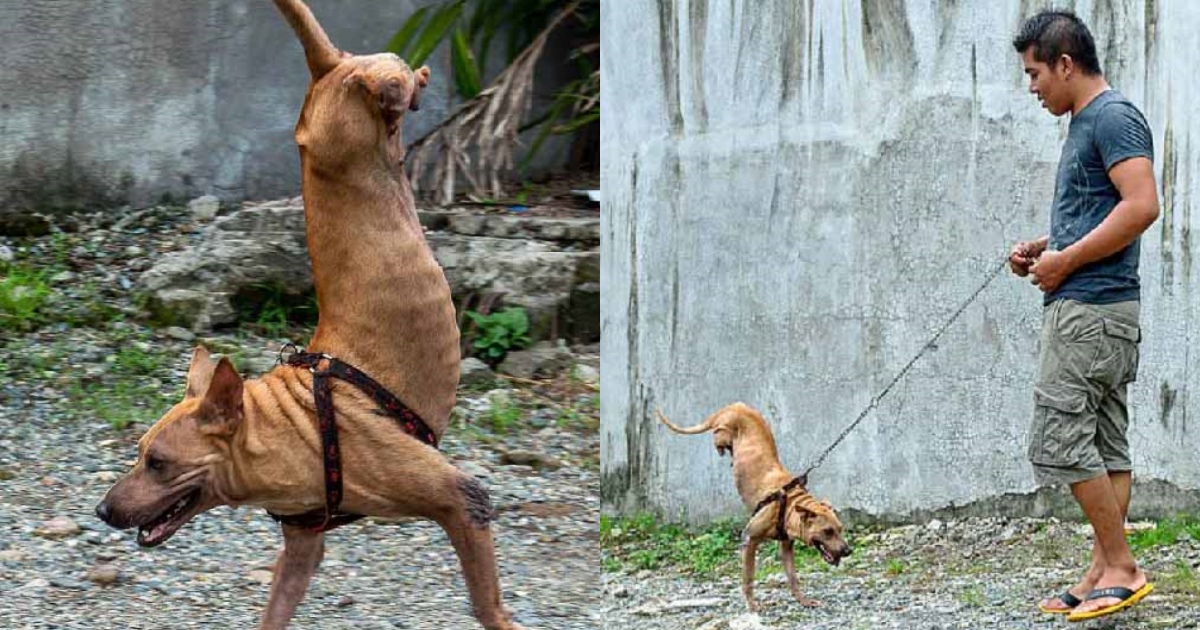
(1107, 131)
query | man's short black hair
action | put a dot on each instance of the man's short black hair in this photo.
(1056, 33)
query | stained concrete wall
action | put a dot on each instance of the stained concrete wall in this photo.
(109, 102)
(797, 194)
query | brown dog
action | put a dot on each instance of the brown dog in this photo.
(385, 308)
(741, 432)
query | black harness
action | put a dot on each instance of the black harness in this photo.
(322, 520)
(780, 496)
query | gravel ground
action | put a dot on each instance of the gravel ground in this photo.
(975, 573)
(64, 384)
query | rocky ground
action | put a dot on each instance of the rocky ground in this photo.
(82, 376)
(975, 573)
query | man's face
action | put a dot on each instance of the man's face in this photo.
(1048, 83)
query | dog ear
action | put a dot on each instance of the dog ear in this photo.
(422, 76)
(200, 372)
(222, 406)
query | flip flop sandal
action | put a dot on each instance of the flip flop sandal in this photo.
(1066, 598)
(1127, 597)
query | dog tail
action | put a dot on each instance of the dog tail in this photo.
(699, 428)
(321, 54)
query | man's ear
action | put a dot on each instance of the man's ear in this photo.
(222, 408)
(200, 372)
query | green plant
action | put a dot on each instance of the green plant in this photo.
(133, 361)
(500, 332)
(479, 137)
(640, 542)
(895, 567)
(274, 310)
(503, 415)
(1183, 579)
(973, 596)
(23, 292)
(1166, 532)
(471, 27)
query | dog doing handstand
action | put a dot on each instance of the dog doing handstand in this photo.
(781, 507)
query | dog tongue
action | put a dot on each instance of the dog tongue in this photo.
(152, 536)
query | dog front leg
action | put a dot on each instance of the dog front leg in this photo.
(302, 552)
(467, 523)
(749, 548)
(787, 554)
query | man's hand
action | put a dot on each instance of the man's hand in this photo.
(1025, 253)
(1051, 269)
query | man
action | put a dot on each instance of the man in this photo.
(1087, 266)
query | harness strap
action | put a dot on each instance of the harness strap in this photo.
(780, 496)
(322, 520)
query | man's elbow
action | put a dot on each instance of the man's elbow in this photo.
(1150, 213)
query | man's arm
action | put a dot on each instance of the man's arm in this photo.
(1137, 210)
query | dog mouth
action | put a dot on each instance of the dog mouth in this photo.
(160, 528)
(827, 555)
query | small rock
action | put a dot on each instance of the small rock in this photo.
(529, 458)
(12, 555)
(74, 585)
(586, 374)
(5, 475)
(6, 253)
(182, 334)
(62, 276)
(934, 525)
(260, 576)
(34, 585)
(475, 373)
(687, 604)
(747, 621)
(542, 360)
(619, 591)
(499, 398)
(107, 476)
(258, 364)
(204, 208)
(58, 527)
(104, 574)
(134, 250)
(473, 469)
(345, 601)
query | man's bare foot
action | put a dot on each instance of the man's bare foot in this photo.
(1112, 577)
(1079, 591)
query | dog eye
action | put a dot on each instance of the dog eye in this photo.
(829, 531)
(154, 463)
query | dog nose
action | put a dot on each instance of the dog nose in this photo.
(103, 512)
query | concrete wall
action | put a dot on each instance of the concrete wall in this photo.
(121, 101)
(797, 194)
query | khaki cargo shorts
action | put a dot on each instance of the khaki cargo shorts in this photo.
(1089, 353)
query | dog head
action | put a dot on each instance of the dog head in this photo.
(358, 99)
(815, 523)
(172, 480)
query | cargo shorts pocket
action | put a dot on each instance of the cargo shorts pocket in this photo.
(1116, 359)
(1060, 435)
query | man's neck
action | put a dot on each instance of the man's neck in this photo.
(1088, 89)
